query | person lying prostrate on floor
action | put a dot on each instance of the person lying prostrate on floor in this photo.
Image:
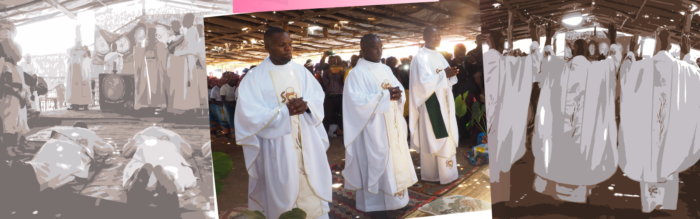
(184, 148)
(654, 154)
(79, 133)
(160, 149)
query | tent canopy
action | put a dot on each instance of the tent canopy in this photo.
(22, 12)
(643, 17)
(239, 37)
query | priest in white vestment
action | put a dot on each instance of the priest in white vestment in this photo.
(187, 94)
(432, 120)
(165, 153)
(663, 89)
(494, 70)
(575, 130)
(113, 61)
(78, 93)
(68, 155)
(377, 161)
(279, 124)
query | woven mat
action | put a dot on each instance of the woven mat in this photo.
(434, 188)
(343, 206)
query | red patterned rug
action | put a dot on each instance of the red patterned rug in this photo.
(434, 188)
(343, 206)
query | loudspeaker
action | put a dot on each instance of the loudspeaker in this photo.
(117, 92)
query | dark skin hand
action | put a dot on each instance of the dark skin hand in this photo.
(451, 72)
(685, 46)
(297, 106)
(549, 27)
(533, 31)
(395, 93)
(633, 44)
(612, 33)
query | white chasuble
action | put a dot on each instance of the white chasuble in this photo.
(59, 161)
(285, 155)
(575, 130)
(78, 84)
(378, 163)
(428, 78)
(659, 126)
(287, 85)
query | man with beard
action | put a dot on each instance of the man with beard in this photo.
(278, 123)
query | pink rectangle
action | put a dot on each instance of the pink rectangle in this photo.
(248, 6)
(308, 4)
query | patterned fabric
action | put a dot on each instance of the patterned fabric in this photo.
(455, 204)
(434, 188)
(229, 110)
(333, 82)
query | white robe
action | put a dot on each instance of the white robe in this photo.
(187, 97)
(662, 89)
(370, 144)
(110, 58)
(264, 129)
(160, 147)
(575, 130)
(59, 161)
(438, 160)
(93, 144)
(77, 82)
(509, 84)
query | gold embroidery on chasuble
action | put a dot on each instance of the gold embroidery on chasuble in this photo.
(287, 86)
(396, 136)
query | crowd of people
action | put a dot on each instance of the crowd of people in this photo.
(599, 108)
(332, 71)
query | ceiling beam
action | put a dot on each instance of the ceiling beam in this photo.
(260, 27)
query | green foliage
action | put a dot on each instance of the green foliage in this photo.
(223, 165)
(478, 115)
(253, 214)
(294, 214)
(461, 105)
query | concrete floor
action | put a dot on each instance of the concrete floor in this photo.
(235, 191)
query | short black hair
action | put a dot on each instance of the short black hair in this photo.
(429, 28)
(80, 124)
(271, 31)
(366, 39)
